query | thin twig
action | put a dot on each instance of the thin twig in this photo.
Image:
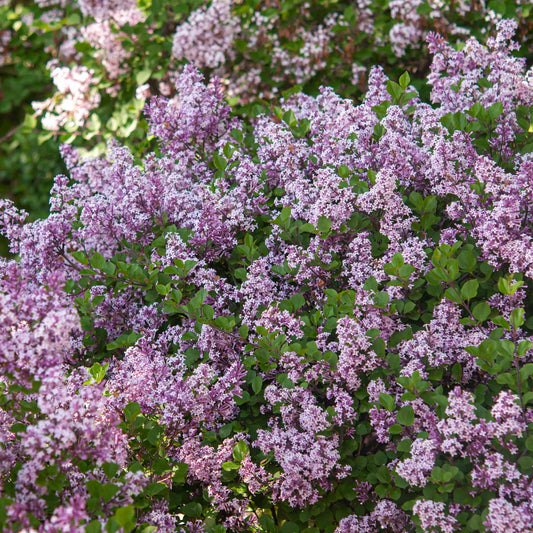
(9, 134)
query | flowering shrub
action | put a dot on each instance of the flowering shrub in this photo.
(80, 72)
(317, 322)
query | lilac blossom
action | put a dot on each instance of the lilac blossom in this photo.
(503, 516)
(76, 97)
(417, 468)
(433, 517)
(206, 37)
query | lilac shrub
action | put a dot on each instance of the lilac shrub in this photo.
(61, 438)
(80, 72)
(317, 322)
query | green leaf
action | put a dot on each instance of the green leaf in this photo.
(127, 339)
(481, 311)
(176, 295)
(381, 299)
(240, 450)
(98, 371)
(163, 289)
(107, 491)
(343, 171)
(284, 215)
(230, 465)
(208, 312)
(474, 110)
(505, 378)
(155, 488)
(93, 526)
(475, 523)
(110, 469)
(523, 347)
(125, 517)
(219, 161)
(517, 317)
(453, 268)
(307, 228)
(528, 397)
(97, 261)
(527, 148)
(386, 400)
(198, 299)
(397, 260)
(416, 199)
(457, 371)
(80, 257)
(297, 300)
(289, 527)
(225, 430)
(109, 269)
(404, 80)
(380, 458)
(228, 150)
(370, 284)
(193, 510)
(169, 307)
(406, 416)
(154, 436)
(503, 286)
(302, 128)
(180, 474)
(143, 76)
(467, 261)
(500, 321)
(506, 347)
(526, 464)
(18, 427)
(290, 118)
(257, 384)
(395, 91)
(267, 523)
(495, 110)
(160, 466)
(469, 289)
(404, 446)
(324, 224)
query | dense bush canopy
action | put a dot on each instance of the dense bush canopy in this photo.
(81, 71)
(315, 316)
